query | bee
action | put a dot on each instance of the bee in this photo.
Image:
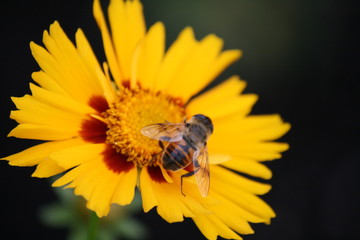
(185, 145)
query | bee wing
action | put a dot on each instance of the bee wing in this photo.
(202, 170)
(168, 132)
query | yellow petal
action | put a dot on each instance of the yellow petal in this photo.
(171, 204)
(125, 189)
(169, 208)
(260, 151)
(235, 217)
(128, 28)
(166, 175)
(40, 132)
(222, 62)
(231, 181)
(47, 168)
(222, 228)
(50, 66)
(48, 83)
(88, 57)
(250, 203)
(112, 188)
(175, 57)
(249, 167)
(63, 64)
(30, 121)
(240, 105)
(102, 193)
(106, 83)
(192, 77)
(218, 158)
(205, 226)
(135, 19)
(64, 51)
(111, 57)
(151, 54)
(34, 155)
(148, 195)
(72, 156)
(60, 102)
(85, 173)
(35, 115)
(231, 87)
(244, 136)
(99, 185)
(211, 227)
(252, 128)
(86, 53)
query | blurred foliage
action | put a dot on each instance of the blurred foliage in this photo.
(70, 213)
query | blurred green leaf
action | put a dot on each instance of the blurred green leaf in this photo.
(70, 212)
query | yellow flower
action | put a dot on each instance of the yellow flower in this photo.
(90, 117)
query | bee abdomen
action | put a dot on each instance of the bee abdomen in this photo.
(177, 156)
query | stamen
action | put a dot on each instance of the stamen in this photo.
(134, 109)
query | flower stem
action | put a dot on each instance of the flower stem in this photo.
(93, 226)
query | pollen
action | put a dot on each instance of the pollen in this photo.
(132, 110)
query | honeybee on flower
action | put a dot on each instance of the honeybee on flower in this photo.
(95, 122)
(187, 145)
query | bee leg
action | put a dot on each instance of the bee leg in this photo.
(157, 156)
(161, 144)
(186, 175)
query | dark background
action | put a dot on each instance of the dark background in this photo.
(301, 57)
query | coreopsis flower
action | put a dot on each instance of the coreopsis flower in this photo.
(90, 117)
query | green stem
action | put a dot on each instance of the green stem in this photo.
(93, 226)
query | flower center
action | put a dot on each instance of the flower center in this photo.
(132, 110)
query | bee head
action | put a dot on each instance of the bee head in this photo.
(206, 121)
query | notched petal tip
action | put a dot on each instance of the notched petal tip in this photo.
(188, 30)
(11, 133)
(285, 147)
(33, 45)
(230, 56)
(213, 41)
(97, 10)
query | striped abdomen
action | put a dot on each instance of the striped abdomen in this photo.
(177, 155)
